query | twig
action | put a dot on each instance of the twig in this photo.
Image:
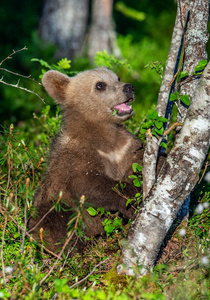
(23, 276)
(16, 74)
(21, 88)
(184, 267)
(69, 251)
(206, 166)
(23, 76)
(47, 213)
(80, 281)
(14, 52)
(174, 125)
(123, 196)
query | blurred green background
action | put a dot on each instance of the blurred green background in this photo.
(140, 42)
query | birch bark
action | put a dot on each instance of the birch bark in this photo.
(178, 177)
(152, 146)
(194, 48)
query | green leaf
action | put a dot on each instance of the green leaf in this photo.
(117, 222)
(147, 124)
(185, 99)
(128, 201)
(132, 177)
(114, 112)
(130, 12)
(104, 59)
(92, 211)
(183, 74)
(101, 210)
(64, 63)
(162, 119)
(201, 65)
(137, 183)
(61, 285)
(159, 131)
(173, 97)
(153, 114)
(154, 133)
(106, 222)
(164, 145)
(136, 167)
(143, 130)
(42, 62)
(158, 124)
(109, 229)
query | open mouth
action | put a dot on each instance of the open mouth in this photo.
(124, 108)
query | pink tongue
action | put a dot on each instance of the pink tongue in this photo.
(123, 107)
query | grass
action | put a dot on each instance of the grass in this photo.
(28, 272)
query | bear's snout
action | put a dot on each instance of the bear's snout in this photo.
(128, 89)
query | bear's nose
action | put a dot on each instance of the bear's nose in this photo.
(128, 88)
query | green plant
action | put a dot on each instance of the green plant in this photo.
(137, 178)
(183, 98)
(157, 66)
(111, 226)
(104, 59)
(62, 66)
(154, 123)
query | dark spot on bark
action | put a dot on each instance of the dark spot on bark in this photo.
(208, 90)
(186, 140)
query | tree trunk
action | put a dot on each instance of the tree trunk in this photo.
(152, 146)
(196, 38)
(102, 35)
(165, 196)
(64, 23)
(176, 181)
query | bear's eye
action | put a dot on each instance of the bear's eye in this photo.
(101, 86)
(119, 79)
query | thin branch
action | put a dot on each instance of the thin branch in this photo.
(21, 88)
(206, 166)
(23, 276)
(20, 75)
(98, 265)
(47, 213)
(14, 52)
(174, 125)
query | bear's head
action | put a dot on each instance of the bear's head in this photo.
(95, 95)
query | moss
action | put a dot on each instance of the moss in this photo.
(117, 281)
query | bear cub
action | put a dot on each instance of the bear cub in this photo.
(90, 155)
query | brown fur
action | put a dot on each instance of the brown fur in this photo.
(92, 153)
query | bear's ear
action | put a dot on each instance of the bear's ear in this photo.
(55, 84)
